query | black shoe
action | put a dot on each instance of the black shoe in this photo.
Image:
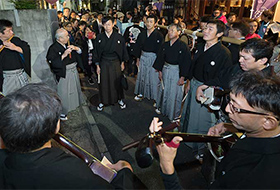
(91, 81)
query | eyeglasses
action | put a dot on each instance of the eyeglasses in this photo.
(234, 109)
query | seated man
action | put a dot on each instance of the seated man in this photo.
(29, 118)
(253, 162)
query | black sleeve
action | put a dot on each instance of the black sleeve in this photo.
(139, 43)
(185, 61)
(125, 56)
(125, 179)
(159, 62)
(126, 35)
(55, 62)
(26, 55)
(96, 49)
(171, 181)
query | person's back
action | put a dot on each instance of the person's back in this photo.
(29, 118)
(49, 168)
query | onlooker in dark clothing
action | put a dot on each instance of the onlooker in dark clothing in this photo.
(130, 35)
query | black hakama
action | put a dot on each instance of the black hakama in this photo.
(110, 53)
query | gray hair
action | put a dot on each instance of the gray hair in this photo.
(59, 33)
(178, 27)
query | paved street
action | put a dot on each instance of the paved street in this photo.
(106, 132)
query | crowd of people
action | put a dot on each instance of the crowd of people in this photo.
(104, 47)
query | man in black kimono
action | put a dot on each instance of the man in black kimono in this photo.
(253, 161)
(29, 118)
(130, 35)
(173, 64)
(15, 59)
(148, 45)
(63, 60)
(109, 56)
(209, 60)
(255, 54)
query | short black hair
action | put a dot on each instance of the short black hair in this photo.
(5, 23)
(243, 27)
(152, 16)
(259, 48)
(259, 89)
(66, 23)
(82, 23)
(204, 19)
(59, 12)
(91, 27)
(66, 8)
(136, 19)
(129, 13)
(219, 24)
(106, 19)
(28, 117)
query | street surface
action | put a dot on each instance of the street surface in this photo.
(120, 127)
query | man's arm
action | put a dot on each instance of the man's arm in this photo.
(167, 155)
(11, 46)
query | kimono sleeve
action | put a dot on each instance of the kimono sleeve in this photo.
(159, 62)
(26, 55)
(138, 46)
(125, 56)
(55, 62)
(185, 61)
(95, 52)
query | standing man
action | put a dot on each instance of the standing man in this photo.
(14, 58)
(209, 60)
(109, 55)
(63, 60)
(129, 16)
(130, 35)
(148, 43)
(173, 64)
(97, 24)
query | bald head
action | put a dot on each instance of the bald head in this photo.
(62, 36)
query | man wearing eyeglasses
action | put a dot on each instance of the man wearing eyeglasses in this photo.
(253, 161)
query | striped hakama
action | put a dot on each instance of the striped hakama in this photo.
(69, 89)
(170, 99)
(14, 80)
(147, 82)
(196, 117)
(110, 89)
